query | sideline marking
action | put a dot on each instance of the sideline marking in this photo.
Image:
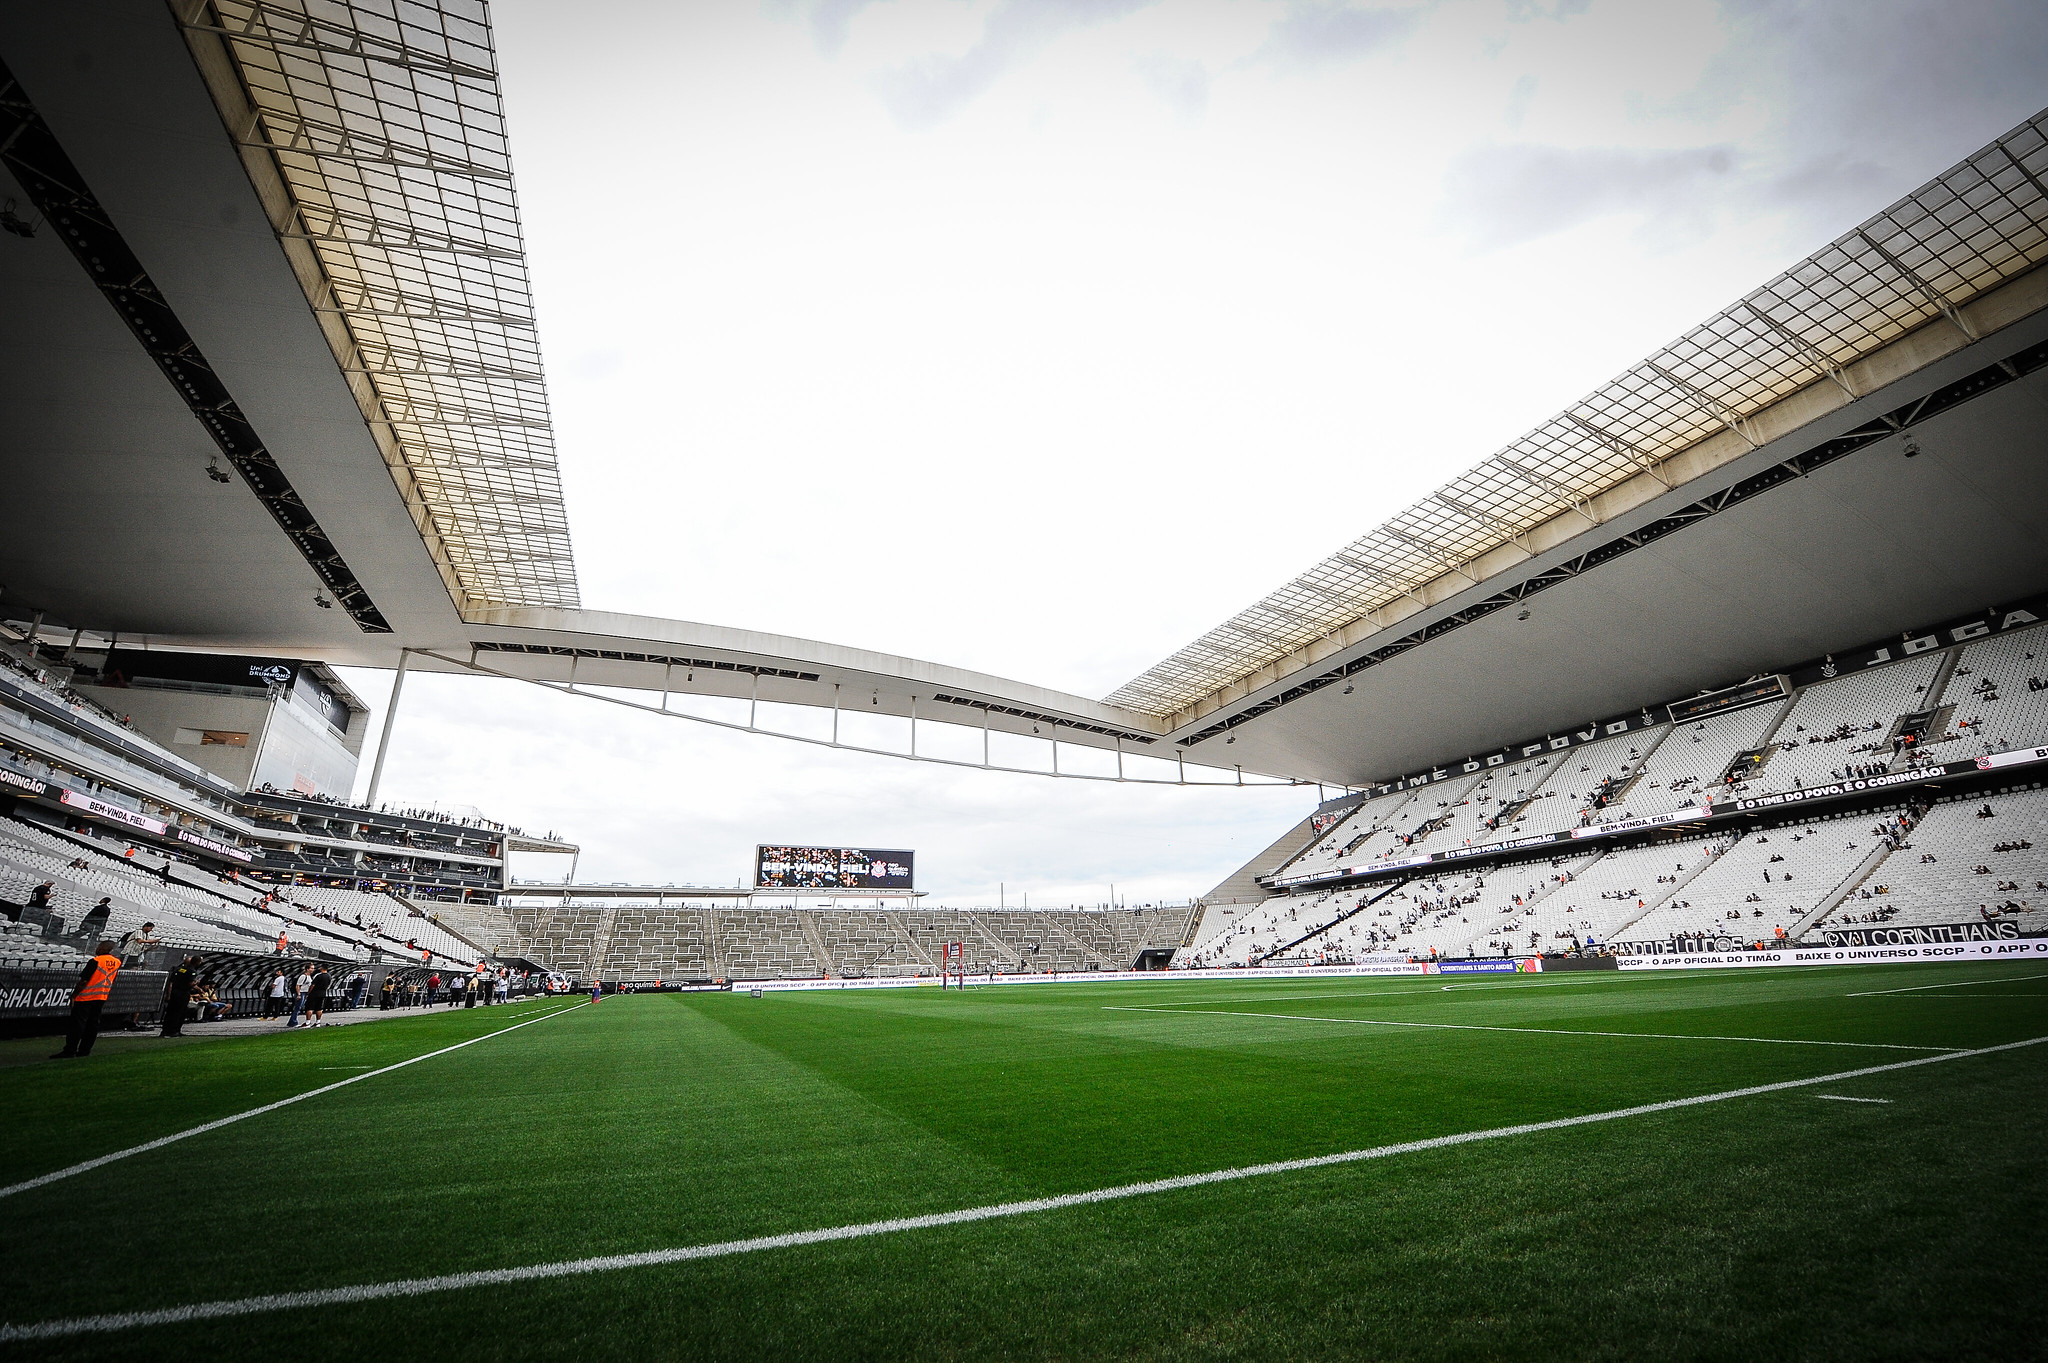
(415, 1287)
(1845, 1098)
(1423, 989)
(1540, 1031)
(161, 1141)
(1952, 984)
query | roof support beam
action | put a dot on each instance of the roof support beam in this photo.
(1620, 447)
(2021, 167)
(431, 367)
(1436, 551)
(1803, 346)
(1399, 584)
(294, 133)
(416, 245)
(434, 312)
(1562, 495)
(1493, 523)
(1925, 289)
(1706, 402)
(347, 42)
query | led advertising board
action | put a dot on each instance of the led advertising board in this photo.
(782, 867)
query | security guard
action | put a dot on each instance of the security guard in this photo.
(95, 982)
(178, 995)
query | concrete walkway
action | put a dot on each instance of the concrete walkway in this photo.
(30, 1049)
(334, 1018)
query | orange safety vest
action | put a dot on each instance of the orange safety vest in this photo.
(96, 989)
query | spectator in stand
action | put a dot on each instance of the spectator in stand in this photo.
(95, 921)
(88, 998)
(135, 944)
(39, 897)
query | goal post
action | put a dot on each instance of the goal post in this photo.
(953, 964)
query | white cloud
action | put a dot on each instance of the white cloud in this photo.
(934, 87)
(1313, 32)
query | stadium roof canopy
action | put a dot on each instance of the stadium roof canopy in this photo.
(282, 235)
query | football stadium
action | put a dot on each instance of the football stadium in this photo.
(1655, 962)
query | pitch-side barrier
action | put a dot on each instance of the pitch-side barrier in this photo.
(2022, 949)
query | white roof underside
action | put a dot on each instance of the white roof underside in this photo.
(384, 123)
(1980, 224)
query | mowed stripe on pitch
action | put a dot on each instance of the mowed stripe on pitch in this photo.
(1539, 1031)
(160, 1142)
(415, 1287)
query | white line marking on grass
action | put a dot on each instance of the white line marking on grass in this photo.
(200, 1130)
(361, 1067)
(1952, 984)
(1845, 1098)
(1424, 988)
(1539, 1031)
(611, 1263)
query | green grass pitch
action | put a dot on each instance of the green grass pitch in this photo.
(1784, 1224)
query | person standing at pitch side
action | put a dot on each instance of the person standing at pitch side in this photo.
(95, 982)
(178, 995)
(316, 997)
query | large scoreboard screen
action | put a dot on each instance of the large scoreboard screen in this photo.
(778, 867)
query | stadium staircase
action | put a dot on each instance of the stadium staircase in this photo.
(1937, 724)
(1937, 690)
(1097, 960)
(1937, 729)
(1429, 826)
(1343, 917)
(1618, 932)
(601, 939)
(1551, 886)
(1002, 949)
(486, 927)
(1850, 884)
(1506, 815)
(437, 915)
(721, 968)
(924, 958)
(1854, 881)
(807, 920)
(1615, 796)
(1770, 732)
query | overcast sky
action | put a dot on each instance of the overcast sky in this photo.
(1039, 336)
